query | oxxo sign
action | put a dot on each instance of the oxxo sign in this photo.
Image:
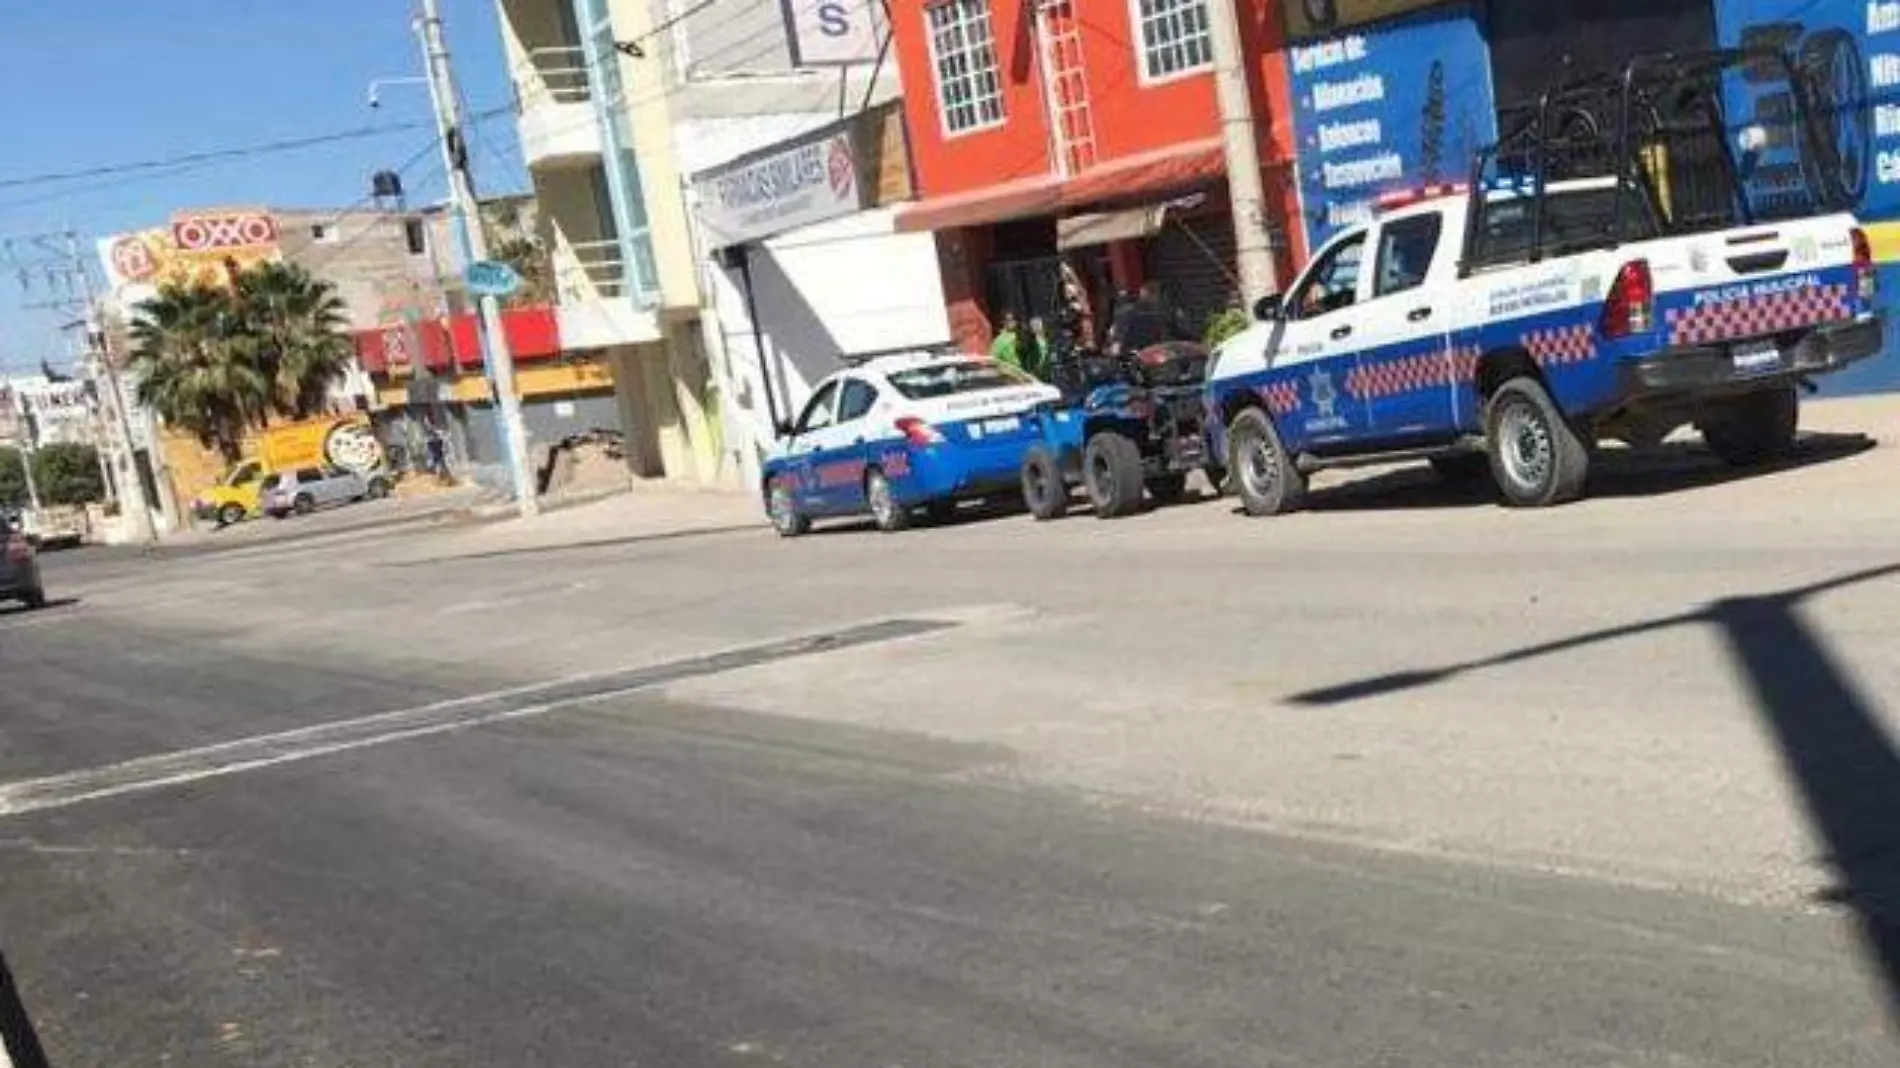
(832, 32)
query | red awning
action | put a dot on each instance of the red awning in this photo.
(533, 333)
(1174, 167)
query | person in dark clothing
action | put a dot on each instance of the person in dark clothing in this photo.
(1149, 320)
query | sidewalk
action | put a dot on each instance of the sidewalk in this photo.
(643, 513)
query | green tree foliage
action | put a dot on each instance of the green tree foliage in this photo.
(1223, 325)
(68, 473)
(64, 474)
(12, 479)
(216, 361)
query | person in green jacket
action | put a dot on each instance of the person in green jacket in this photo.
(1008, 346)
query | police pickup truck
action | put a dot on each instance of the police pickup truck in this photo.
(1443, 330)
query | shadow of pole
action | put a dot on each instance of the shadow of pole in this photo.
(1838, 755)
(17, 1038)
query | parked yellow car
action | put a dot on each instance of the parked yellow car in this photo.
(346, 442)
(234, 497)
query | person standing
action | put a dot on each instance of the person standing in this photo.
(1007, 348)
(1036, 348)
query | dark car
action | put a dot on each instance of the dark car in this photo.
(19, 564)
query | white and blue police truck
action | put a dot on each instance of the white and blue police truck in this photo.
(1509, 327)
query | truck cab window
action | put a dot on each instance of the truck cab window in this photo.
(1333, 282)
(1406, 249)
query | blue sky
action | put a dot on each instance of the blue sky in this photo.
(91, 83)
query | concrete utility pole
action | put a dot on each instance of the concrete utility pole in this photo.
(1259, 276)
(465, 212)
(65, 260)
(99, 347)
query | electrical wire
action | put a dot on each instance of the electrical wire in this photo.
(216, 155)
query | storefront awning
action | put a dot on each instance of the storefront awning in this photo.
(1148, 173)
(1100, 228)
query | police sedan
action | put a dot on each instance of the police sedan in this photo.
(899, 433)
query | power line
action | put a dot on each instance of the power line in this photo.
(213, 155)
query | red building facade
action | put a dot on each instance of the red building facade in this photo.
(1083, 132)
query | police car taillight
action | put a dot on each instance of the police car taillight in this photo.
(1865, 280)
(1630, 307)
(918, 432)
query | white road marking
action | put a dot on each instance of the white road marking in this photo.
(303, 743)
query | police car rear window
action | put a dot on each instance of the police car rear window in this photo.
(952, 377)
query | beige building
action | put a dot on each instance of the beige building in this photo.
(596, 133)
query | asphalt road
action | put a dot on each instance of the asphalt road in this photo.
(1405, 781)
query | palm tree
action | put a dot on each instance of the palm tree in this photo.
(294, 335)
(191, 368)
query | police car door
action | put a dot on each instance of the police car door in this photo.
(1315, 351)
(1405, 366)
(850, 441)
(802, 452)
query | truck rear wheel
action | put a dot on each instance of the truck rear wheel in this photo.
(1537, 457)
(1754, 428)
(1111, 466)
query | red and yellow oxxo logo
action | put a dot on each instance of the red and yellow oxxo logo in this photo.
(224, 230)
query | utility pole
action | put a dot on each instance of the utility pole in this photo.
(69, 277)
(1259, 276)
(465, 213)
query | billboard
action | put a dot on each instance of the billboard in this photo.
(1315, 18)
(832, 32)
(1396, 105)
(196, 247)
(803, 181)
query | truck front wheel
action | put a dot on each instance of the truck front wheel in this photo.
(1537, 458)
(1754, 428)
(1264, 474)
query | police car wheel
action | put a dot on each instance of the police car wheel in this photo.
(1537, 458)
(784, 512)
(1263, 472)
(1045, 493)
(1754, 428)
(890, 515)
(1111, 466)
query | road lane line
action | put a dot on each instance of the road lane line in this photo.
(304, 743)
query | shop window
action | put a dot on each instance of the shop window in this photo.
(963, 53)
(1175, 37)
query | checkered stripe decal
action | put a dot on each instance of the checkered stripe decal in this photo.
(1561, 345)
(1280, 397)
(1763, 314)
(1388, 378)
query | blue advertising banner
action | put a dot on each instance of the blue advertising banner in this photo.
(1847, 54)
(1394, 105)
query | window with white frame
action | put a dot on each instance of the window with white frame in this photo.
(963, 51)
(1175, 38)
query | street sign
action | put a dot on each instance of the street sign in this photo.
(492, 278)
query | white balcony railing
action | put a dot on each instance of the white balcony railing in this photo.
(555, 103)
(601, 302)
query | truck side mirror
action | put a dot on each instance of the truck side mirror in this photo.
(1267, 309)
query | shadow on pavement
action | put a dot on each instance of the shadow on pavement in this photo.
(1836, 751)
(52, 604)
(1617, 472)
(17, 1038)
